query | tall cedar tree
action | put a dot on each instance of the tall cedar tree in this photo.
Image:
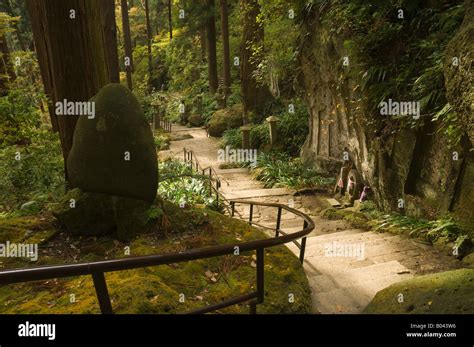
(69, 34)
(202, 39)
(127, 40)
(149, 38)
(211, 46)
(170, 19)
(109, 27)
(253, 94)
(225, 46)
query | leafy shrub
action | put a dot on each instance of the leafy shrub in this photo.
(180, 183)
(232, 138)
(37, 176)
(19, 117)
(162, 141)
(280, 170)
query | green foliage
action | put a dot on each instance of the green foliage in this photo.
(449, 124)
(37, 176)
(429, 229)
(18, 118)
(180, 183)
(278, 57)
(279, 170)
(232, 138)
(162, 140)
(292, 128)
(399, 58)
(19, 109)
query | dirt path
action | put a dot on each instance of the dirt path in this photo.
(339, 283)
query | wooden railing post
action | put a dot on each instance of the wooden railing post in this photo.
(303, 244)
(102, 292)
(250, 214)
(277, 228)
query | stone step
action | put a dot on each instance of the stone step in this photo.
(224, 172)
(368, 239)
(340, 235)
(331, 296)
(340, 301)
(256, 193)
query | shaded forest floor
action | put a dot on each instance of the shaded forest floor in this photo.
(154, 289)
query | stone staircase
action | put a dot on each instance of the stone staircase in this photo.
(339, 284)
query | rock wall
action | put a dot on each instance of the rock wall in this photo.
(414, 165)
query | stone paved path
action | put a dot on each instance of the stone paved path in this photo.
(338, 284)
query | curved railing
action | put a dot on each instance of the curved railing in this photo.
(97, 269)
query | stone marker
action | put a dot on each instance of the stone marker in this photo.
(114, 153)
(273, 127)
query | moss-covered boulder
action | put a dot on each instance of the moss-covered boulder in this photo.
(96, 214)
(440, 293)
(225, 119)
(114, 152)
(195, 120)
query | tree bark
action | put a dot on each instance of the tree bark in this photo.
(127, 43)
(109, 27)
(41, 49)
(202, 39)
(225, 45)
(211, 47)
(170, 19)
(253, 95)
(71, 53)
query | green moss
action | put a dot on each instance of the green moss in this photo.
(99, 214)
(157, 289)
(332, 214)
(28, 229)
(447, 292)
(356, 219)
(222, 120)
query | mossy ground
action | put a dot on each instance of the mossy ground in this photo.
(439, 293)
(154, 289)
(356, 219)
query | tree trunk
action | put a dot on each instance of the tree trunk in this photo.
(211, 47)
(8, 8)
(19, 38)
(109, 27)
(202, 39)
(157, 8)
(253, 95)
(170, 19)
(71, 53)
(7, 73)
(149, 38)
(127, 43)
(225, 46)
(41, 49)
